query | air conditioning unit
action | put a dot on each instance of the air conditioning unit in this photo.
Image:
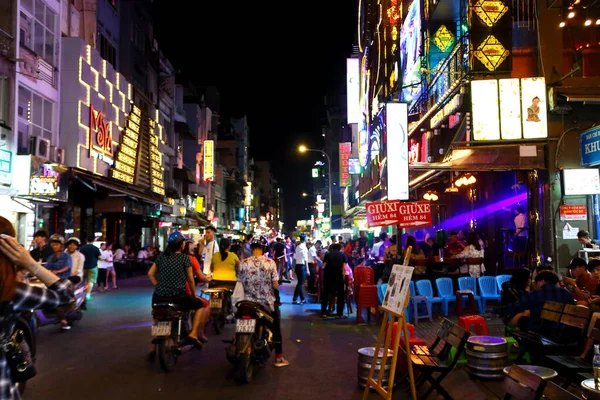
(57, 155)
(39, 147)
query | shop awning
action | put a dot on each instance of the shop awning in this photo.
(577, 90)
(129, 190)
(184, 130)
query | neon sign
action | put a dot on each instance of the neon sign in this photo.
(209, 161)
(414, 152)
(100, 137)
(345, 152)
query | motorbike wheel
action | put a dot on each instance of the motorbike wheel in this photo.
(219, 323)
(167, 357)
(244, 369)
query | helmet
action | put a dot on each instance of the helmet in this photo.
(57, 238)
(176, 237)
(302, 237)
(74, 240)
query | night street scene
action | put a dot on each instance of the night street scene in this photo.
(358, 199)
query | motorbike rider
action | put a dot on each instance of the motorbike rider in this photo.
(169, 275)
(60, 264)
(260, 280)
(76, 257)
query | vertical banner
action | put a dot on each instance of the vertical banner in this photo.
(345, 153)
(533, 100)
(397, 151)
(209, 160)
(353, 90)
(510, 108)
(485, 104)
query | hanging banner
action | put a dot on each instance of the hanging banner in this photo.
(209, 161)
(397, 151)
(399, 213)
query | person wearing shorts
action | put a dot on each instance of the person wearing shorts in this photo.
(90, 264)
(169, 274)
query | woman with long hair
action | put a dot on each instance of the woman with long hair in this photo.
(224, 266)
(16, 297)
(473, 250)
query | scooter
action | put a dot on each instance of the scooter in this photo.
(171, 326)
(75, 309)
(253, 342)
(220, 307)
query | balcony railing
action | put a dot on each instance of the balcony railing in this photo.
(46, 72)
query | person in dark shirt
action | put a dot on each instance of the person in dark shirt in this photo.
(363, 242)
(42, 249)
(583, 237)
(333, 282)
(527, 311)
(90, 264)
(583, 284)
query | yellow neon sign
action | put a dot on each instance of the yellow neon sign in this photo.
(491, 53)
(209, 162)
(443, 38)
(490, 11)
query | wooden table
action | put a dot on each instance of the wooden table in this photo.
(542, 372)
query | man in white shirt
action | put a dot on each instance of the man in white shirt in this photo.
(77, 258)
(209, 250)
(520, 241)
(375, 250)
(312, 268)
(301, 259)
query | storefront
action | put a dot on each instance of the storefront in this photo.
(111, 141)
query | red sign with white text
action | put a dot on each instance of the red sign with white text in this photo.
(345, 153)
(573, 212)
(399, 213)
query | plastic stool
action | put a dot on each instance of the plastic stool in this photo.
(412, 339)
(469, 321)
(415, 304)
(462, 359)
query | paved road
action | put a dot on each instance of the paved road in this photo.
(103, 357)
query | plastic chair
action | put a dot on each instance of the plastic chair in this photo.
(365, 292)
(500, 279)
(488, 289)
(469, 283)
(425, 289)
(446, 292)
(477, 321)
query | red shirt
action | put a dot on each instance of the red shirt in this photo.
(196, 268)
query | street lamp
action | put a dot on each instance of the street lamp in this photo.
(304, 149)
(304, 194)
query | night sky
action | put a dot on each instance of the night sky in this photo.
(274, 64)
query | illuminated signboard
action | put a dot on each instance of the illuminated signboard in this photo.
(443, 38)
(345, 153)
(158, 185)
(411, 43)
(451, 106)
(397, 151)
(100, 137)
(5, 167)
(43, 185)
(209, 161)
(353, 90)
(125, 165)
(363, 147)
(490, 11)
(315, 172)
(354, 167)
(509, 109)
(414, 152)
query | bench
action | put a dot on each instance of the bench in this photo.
(522, 384)
(436, 358)
(572, 367)
(562, 326)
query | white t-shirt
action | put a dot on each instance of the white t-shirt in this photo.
(312, 255)
(209, 250)
(77, 260)
(107, 256)
(375, 249)
(521, 222)
(301, 255)
(119, 254)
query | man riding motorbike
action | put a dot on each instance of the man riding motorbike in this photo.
(259, 277)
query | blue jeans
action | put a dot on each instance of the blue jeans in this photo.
(300, 275)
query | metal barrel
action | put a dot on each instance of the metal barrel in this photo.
(487, 356)
(365, 360)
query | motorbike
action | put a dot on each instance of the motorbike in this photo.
(253, 340)
(220, 307)
(170, 328)
(75, 310)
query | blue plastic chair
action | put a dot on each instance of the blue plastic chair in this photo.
(424, 288)
(469, 283)
(500, 279)
(488, 289)
(446, 292)
(381, 289)
(414, 302)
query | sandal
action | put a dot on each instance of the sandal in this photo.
(341, 317)
(195, 342)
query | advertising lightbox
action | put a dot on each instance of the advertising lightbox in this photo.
(397, 151)
(353, 90)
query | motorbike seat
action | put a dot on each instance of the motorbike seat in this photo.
(166, 310)
(166, 305)
(252, 306)
(217, 290)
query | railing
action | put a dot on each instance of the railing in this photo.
(46, 72)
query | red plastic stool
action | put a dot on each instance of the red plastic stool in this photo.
(412, 339)
(469, 321)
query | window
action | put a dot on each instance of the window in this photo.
(38, 30)
(35, 117)
(107, 50)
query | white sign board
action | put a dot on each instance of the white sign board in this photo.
(569, 232)
(398, 286)
(396, 116)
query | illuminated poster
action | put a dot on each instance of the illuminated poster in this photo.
(100, 137)
(209, 161)
(345, 153)
(397, 151)
(533, 95)
(411, 43)
(353, 90)
(354, 167)
(510, 108)
(486, 120)
(363, 147)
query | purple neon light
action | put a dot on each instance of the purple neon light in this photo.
(463, 219)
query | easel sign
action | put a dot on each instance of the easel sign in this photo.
(395, 300)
